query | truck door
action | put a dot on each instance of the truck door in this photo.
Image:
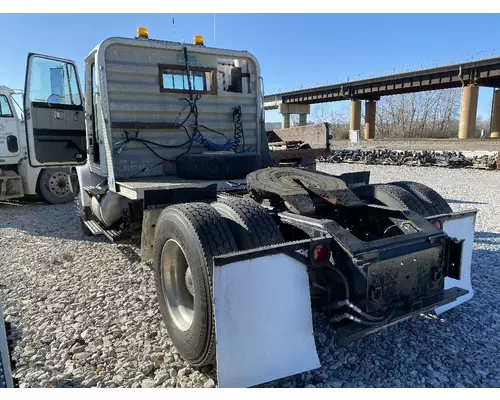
(54, 114)
(9, 139)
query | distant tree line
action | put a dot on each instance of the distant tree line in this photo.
(433, 114)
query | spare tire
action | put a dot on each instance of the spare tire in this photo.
(431, 199)
(390, 196)
(217, 165)
(187, 238)
(250, 223)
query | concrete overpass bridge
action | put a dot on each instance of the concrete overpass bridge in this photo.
(468, 75)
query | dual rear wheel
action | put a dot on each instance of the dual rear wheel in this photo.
(405, 195)
(187, 238)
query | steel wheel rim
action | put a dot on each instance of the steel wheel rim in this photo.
(178, 290)
(58, 184)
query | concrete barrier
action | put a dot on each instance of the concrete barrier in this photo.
(317, 136)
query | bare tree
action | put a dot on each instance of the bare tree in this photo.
(338, 120)
(432, 114)
(321, 113)
(417, 115)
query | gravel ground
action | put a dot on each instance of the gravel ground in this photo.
(84, 314)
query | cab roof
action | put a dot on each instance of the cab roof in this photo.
(144, 41)
(6, 89)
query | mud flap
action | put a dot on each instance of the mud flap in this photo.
(263, 318)
(460, 226)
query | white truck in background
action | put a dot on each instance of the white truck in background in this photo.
(20, 177)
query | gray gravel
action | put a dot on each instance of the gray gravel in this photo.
(84, 312)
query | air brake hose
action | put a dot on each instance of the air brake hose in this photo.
(188, 72)
(353, 318)
(343, 316)
(358, 310)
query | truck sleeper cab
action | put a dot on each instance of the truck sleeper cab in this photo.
(243, 251)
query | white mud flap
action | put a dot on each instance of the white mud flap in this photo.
(263, 319)
(461, 228)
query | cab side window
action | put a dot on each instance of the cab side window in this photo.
(53, 82)
(5, 110)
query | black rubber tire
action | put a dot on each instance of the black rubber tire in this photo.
(432, 200)
(201, 233)
(250, 223)
(44, 184)
(391, 196)
(217, 165)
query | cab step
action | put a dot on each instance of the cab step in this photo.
(93, 191)
(94, 228)
(11, 186)
(113, 235)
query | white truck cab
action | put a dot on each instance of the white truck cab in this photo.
(19, 177)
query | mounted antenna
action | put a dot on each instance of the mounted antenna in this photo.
(214, 29)
(173, 27)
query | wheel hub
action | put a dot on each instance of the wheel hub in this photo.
(189, 282)
(178, 287)
(58, 184)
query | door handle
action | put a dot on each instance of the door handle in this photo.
(59, 114)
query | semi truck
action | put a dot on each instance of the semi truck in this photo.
(174, 151)
(20, 175)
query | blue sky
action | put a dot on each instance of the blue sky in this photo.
(293, 49)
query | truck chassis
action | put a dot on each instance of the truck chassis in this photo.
(369, 265)
(242, 250)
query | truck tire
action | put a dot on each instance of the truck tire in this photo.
(432, 200)
(217, 165)
(390, 196)
(53, 186)
(187, 237)
(249, 222)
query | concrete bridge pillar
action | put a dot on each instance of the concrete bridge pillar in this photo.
(370, 114)
(285, 120)
(495, 116)
(355, 115)
(468, 112)
(302, 119)
(287, 109)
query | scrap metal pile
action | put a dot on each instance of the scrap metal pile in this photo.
(449, 159)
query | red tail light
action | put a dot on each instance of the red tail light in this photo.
(320, 253)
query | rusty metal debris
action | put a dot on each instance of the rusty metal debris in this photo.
(448, 159)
